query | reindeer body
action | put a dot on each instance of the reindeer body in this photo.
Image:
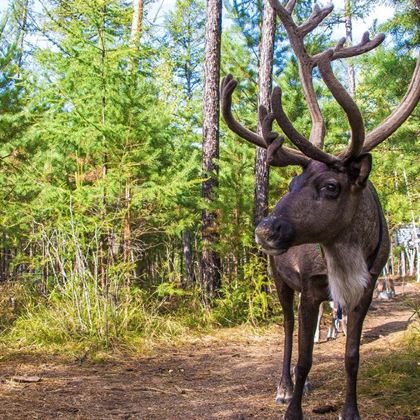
(302, 269)
(299, 264)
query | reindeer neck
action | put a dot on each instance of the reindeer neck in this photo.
(347, 257)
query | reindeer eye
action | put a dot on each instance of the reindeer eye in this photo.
(331, 189)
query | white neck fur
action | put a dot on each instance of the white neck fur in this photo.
(348, 274)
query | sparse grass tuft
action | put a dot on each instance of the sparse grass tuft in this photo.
(391, 380)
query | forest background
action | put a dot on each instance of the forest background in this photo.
(101, 165)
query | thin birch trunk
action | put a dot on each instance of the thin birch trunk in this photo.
(188, 257)
(351, 74)
(104, 238)
(414, 227)
(136, 23)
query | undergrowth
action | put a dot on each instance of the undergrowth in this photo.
(77, 316)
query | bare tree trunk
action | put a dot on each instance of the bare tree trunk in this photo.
(414, 226)
(104, 242)
(136, 22)
(22, 22)
(127, 241)
(403, 273)
(210, 263)
(136, 29)
(264, 87)
(351, 75)
(5, 259)
(188, 257)
(391, 256)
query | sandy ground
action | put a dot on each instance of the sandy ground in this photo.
(230, 378)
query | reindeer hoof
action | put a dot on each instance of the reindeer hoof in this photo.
(284, 395)
(350, 414)
(282, 400)
(293, 415)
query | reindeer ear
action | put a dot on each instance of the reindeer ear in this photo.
(359, 169)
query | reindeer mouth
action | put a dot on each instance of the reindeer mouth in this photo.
(270, 248)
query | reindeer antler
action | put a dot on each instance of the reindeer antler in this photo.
(311, 148)
(306, 64)
(323, 61)
(276, 154)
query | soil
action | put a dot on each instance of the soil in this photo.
(232, 376)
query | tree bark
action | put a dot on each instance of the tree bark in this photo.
(105, 239)
(413, 225)
(127, 240)
(135, 34)
(351, 75)
(210, 263)
(188, 258)
(22, 32)
(136, 23)
(265, 80)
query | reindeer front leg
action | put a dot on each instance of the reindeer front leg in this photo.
(308, 316)
(355, 320)
(285, 385)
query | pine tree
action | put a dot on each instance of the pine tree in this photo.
(265, 75)
(210, 263)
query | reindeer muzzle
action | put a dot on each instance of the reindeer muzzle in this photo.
(275, 235)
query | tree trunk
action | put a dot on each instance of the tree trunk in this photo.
(23, 22)
(136, 29)
(127, 241)
(351, 76)
(104, 236)
(413, 222)
(403, 273)
(264, 88)
(188, 257)
(136, 23)
(210, 263)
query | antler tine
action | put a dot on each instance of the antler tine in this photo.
(306, 147)
(228, 86)
(280, 156)
(399, 115)
(290, 6)
(266, 120)
(364, 46)
(317, 16)
(277, 155)
(346, 102)
(306, 63)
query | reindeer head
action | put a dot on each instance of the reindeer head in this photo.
(323, 199)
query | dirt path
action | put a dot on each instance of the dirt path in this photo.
(232, 379)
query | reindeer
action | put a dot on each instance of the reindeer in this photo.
(331, 203)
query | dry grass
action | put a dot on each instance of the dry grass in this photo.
(389, 381)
